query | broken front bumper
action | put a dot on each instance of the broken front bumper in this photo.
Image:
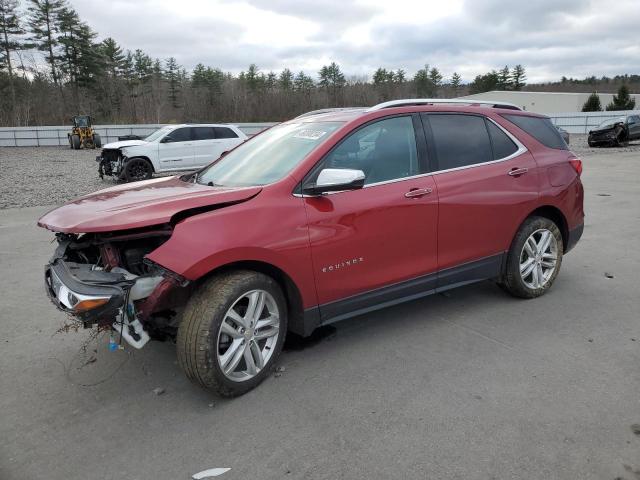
(96, 297)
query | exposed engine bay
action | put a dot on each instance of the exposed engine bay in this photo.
(104, 280)
(111, 162)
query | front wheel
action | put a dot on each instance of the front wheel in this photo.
(97, 142)
(138, 169)
(75, 142)
(232, 332)
(534, 259)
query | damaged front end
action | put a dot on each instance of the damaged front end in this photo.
(104, 280)
(111, 162)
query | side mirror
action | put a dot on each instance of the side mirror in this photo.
(167, 139)
(335, 180)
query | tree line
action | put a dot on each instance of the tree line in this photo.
(53, 67)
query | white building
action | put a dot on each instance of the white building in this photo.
(546, 103)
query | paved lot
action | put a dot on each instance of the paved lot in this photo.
(471, 385)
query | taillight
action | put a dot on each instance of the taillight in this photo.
(576, 163)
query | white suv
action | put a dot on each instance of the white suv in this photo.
(171, 148)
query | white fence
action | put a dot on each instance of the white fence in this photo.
(57, 135)
(573, 122)
(582, 122)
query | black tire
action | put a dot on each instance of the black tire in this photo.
(197, 340)
(512, 280)
(97, 142)
(69, 140)
(138, 169)
(75, 142)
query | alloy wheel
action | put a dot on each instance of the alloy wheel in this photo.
(538, 259)
(248, 335)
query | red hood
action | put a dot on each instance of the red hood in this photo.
(150, 202)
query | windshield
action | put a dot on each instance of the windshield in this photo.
(157, 134)
(269, 156)
(611, 121)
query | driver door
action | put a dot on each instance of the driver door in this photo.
(176, 150)
(378, 243)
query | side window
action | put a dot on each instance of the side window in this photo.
(503, 146)
(460, 140)
(224, 132)
(384, 150)
(541, 129)
(202, 133)
(180, 135)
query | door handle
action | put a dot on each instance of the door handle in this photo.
(418, 192)
(516, 172)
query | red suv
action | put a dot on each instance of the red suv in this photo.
(329, 215)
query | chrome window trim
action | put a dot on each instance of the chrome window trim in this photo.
(521, 149)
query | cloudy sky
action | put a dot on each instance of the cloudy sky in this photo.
(551, 38)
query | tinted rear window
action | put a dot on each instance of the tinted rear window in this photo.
(503, 146)
(224, 132)
(541, 129)
(460, 140)
(203, 133)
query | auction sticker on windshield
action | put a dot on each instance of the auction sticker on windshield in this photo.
(310, 134)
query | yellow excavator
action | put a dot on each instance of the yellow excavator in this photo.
(82, 134)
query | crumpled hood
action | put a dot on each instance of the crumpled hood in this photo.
(124, 143)
(140, 204)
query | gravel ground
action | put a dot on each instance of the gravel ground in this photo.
(53, 175)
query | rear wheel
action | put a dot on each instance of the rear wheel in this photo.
(138, 169)
(232, 332)
(534, 259)
(75, 142)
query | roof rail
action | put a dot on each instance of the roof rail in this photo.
(328, 110)
(437, 101)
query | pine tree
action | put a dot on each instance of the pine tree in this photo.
(592, 104)
(10, 39)
(622, 101)
(400, 76)
(303, 83)
(435, 77)
(41, 22)
(113, 57)
(518, 77)
(455, 83)
(504, 79)
(381, 76)
(484, 83)
(332, 80)
(285, 80)
(172, 74)
(423, 83)
(81, 60)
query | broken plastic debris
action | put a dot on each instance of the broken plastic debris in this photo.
(158, 391)
(608, 275)
(280, 369)
(212, 472)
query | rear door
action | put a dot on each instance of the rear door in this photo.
(227, 138)
(486, 179)
(205, 146)
(376, 244)
(634, 127)
(175, 151)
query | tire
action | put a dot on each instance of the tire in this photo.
(203, 342)
(138, 169)
(69, 140)
(97, 141)
(526, 286)
(75, 142)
